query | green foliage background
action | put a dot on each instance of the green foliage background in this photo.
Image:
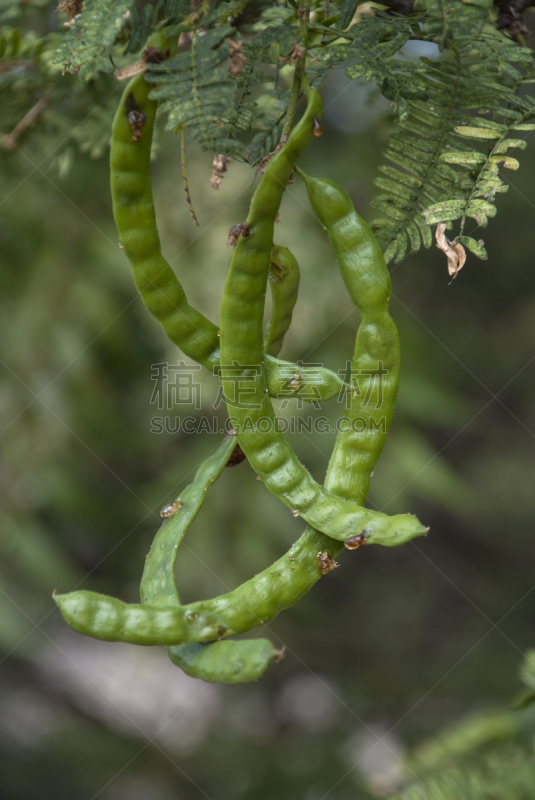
(402, 645)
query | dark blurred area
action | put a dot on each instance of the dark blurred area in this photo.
(386, 651)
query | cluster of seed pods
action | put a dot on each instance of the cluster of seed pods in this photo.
(197, 634)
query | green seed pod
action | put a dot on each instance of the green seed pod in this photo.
(216, 662)
(278, 587)
(358, 255)
(376, 360)
(158, 587)
(225, 662)
(284, 282)
(288, 579)
(158, 286)
(256, 601)
(252, 416)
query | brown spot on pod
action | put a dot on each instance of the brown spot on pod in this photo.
(241, 229)
(295, 383)
(136, 118)
(353, 542)
(152, 55)
(275, 276)
(326, 563)
(262, 164)
(318, 127)
(170, 510)
(237, 457)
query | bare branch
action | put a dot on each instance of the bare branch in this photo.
(10, 140)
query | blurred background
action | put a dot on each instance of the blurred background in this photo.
(400, 665)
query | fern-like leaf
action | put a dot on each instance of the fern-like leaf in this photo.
(484, 170)
(448, 151)
(371, 54)
(506, 775)
(84, 47)
(142, 24)
(269, 122)
(196, 92)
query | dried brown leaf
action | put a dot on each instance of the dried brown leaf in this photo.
(455, 252)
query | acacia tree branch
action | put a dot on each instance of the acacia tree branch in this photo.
(300, 56)
(10, 140)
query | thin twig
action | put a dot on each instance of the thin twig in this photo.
(304, 12)
(185, 175)
(10, 140)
